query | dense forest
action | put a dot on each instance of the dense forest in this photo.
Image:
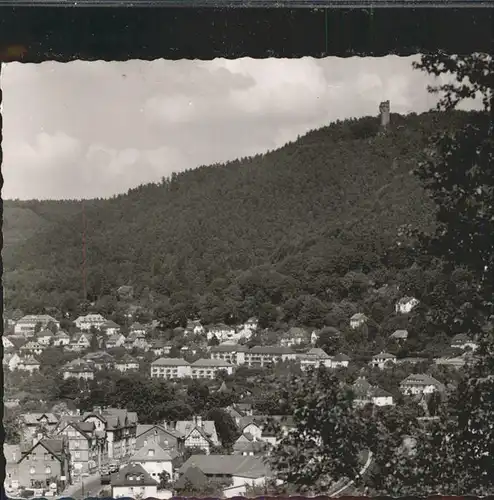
(309, 234)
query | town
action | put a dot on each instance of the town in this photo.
(61, 449)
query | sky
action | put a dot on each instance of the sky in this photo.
(95, 129)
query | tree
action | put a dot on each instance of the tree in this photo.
(225, 426)
(164, 480)
(329, 436)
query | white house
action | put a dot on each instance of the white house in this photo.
(248, 425)
(7, 343)
(84, 323)
(115, 340)
(208, 368)
(27, 324)
(195, 327)
(383, 360)
(133, 481)
(406, 304)
(340, 361)
(358, 320)
(11, 361)
(365, 393)
(28, 364)
(294, 336)
(154, 460)
(170, 368)
(78, 368)
(127, 363)
(61, 338)
(198, 433)
(221, 332)
(463, 341)
(400, 335)
(110, 327)
(420, 384)
(315, 357)
(45, 337)
(32, 347)
(138, 328)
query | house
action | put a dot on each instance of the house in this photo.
(455, 362)
(160, 347)
(45, 337)
(32, 347)
(86, 323)
(115, 340)
(208, 368)
(314, 337)
(33, 424)
(17, 342)
(44, 463)
(27, 325)
(262, 356)
(248, 446)
(383, 360)
(100, 360)
(170, 368)
(221, 332)
(420, 384)
(294, 336)
(365, 393)
(133, 481)
(78, 368)
(163, 435)
(198, 433)
(127, 363)
(12, 453)
(252, 426)
(400, 335)
(357, 320)
(462, 341)
(120, 427)
(274, 425)
(154, 460)
(61, 338)
(7, 343)
(231, 353)
(125, 292)
(11, 361)
(247, 329)
(87, 446)
(315, 357)
(136, 340)
(406, 304)
(194, 327)
(28, 364)
(240, 471)
(137, 328)
(82, 341)
(340, 361)
(110, 328)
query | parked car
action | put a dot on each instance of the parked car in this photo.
(105, 477)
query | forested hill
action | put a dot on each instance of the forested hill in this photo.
(330, 202)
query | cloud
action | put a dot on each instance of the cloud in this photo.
(84, 129)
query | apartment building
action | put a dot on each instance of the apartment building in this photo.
(26, 326)
(170, 368)
(208, 368)
(267, 355)
(231, 353)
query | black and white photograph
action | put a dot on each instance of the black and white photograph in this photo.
(248, 277)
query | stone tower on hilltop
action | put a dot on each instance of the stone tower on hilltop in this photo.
(384, 108)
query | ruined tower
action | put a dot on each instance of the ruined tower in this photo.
(384, 111)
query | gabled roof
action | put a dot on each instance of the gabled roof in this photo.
(341, 357)
(359, 316)
(127, 359)
(144, 428)
(186, 427)
(192, 475)
(399, 334)
(422, 379)
(384, 355)
(317, 351)
(151, 452)
(44, 333)
(170, 362)
(231, 465)
(229, 348)
(53, 446)
(121, 477)
(36, 418)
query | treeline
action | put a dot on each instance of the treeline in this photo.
(307, 234)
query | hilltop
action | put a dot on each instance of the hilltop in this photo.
(238, 238)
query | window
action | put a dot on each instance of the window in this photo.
(48, 470)
(77, 454)
(32, 470)
(77, 444)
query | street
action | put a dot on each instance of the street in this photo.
(89, 487)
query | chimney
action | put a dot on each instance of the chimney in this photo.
(384, 110)
(165, 425)
(199, 421)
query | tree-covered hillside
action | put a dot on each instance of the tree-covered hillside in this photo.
(275, 232)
